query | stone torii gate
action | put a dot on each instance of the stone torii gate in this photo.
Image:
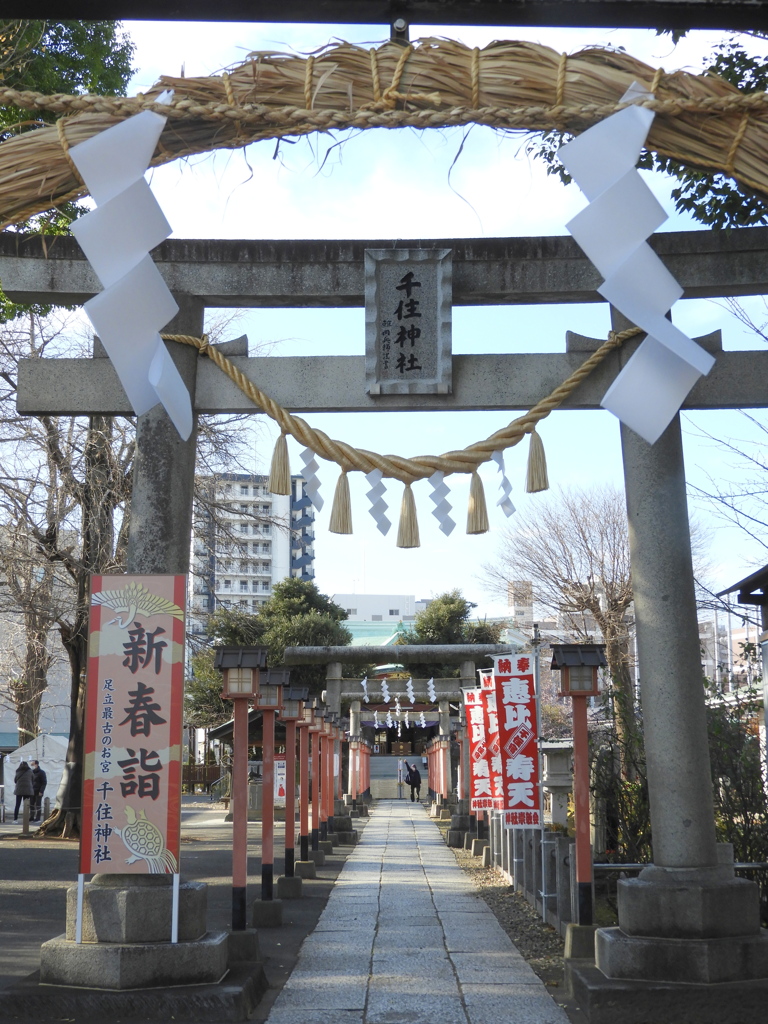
(689, 901)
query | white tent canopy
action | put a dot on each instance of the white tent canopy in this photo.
(50, 751)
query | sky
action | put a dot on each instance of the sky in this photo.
(431, 184)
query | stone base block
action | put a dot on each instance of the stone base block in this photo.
(136, 913)
(455, 837)
(606, 1000)
(326, 846)
(694, 961)
(688, 910)
(318, 857)
(347, 838)
(289, 888)
(347, 799)
(342, 823)
(234, 999)
(267, 914)
(362, 810)
(580, 941)
(339, 808)
(244, 946)
(333, 838)
(445, 814)
(354, 814)
(487, 857)
(133, 965)
(469, 838)
(460, 821)
(478, 845)
(306, 868)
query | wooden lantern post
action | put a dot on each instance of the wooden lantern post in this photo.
(304, 723)
(578, 665)
(291, 713)
(269, 702)
(241, 671)
(316, 732)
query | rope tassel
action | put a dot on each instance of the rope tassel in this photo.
(477, 512)
(408, 531)
(280, 470)
(341, 513)
(536, 479)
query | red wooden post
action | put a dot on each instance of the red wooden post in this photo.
(581, 808)
(304, 789)
(268, 803)
(290, 795)
(240, 813)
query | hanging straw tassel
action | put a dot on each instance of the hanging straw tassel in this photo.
(477, 513)
(280, 470)
(537, 479)
(341, 513)
(408, 531)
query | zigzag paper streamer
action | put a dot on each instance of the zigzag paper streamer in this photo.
(504, 502)
(390, 723)
(311, 482)
(376, 498)
(399, 730)
(397, 704)
(385, 691)
(364, 684)
(622, 213)
(405, 718)
(375, 719)
(431, 690)
(409, 690)
(440, 491)
(422, 720)
(116, 238)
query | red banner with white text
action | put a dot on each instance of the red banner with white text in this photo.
(519, 742)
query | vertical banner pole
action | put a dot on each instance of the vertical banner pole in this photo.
(79, 917)
(290, 797)
(175, 908)
(537, 695)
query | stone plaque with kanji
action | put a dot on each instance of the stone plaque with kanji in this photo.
(408, 313)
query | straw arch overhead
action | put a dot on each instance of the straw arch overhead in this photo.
(701, 120)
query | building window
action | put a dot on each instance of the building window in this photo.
(375, 618)
(227, 488)
(244, 605)
(244, 489)
(243, 527)
(265, 509)
(243, 586)
(266, 528)
(394, 611)
(265, 586)
(266, 548)
(351, 611)
(227, 584)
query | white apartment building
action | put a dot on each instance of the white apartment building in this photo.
(244, 540)
(380, 607)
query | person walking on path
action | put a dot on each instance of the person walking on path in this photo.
(413, 779)
(24, 788)
(39, 783)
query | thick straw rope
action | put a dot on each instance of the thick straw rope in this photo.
(395, 466)
(701, 120)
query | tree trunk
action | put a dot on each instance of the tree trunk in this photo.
(100, 497)
(627, 726)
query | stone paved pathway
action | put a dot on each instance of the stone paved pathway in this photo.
(402, 940)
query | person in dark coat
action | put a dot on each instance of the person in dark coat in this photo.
(413, 779)
(40, 782)
(24, 788)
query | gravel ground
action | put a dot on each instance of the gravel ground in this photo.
(538, 942)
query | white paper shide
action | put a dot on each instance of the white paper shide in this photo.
(116, 238)
(612, 231)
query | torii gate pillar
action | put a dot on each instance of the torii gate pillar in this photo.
(686, 917)
(164, 470)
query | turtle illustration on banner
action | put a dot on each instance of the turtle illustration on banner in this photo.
(144, 841)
